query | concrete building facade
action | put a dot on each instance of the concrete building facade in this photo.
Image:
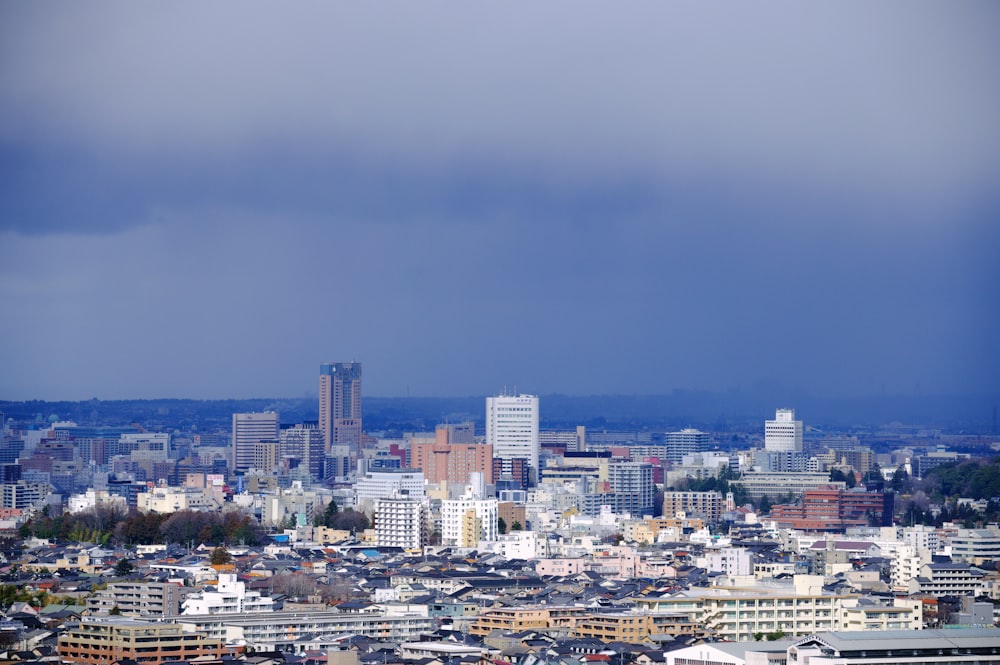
(340, 404)
(512, 429)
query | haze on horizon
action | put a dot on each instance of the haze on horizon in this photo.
(207, 201)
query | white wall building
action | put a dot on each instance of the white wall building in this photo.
(972, 545)
(906, 564)
(229, 597)
(922, 537)
(401, 523)
(145, 445)
(733, 561)
(512, 429)
(92, 498)
(784, 433)
(686, 442)
(466, 521)
(386, 483)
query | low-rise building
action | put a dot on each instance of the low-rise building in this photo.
(229, 596)
(165, 500)
(975, 545)
(113, 639)
(947, 579)
(137, 599)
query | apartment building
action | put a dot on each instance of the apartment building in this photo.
(947, 579)
(975, 545)
(736, 614)
(706, 504)
(228, 596)
(634, 627)
(281, 630)
(113, 639)
(401, 523)
(137, 599)
(835, 509)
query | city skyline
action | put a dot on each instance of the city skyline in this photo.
(672, 198)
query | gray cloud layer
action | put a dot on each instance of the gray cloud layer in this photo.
(571, 197)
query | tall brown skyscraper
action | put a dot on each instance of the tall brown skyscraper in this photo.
(340, 404)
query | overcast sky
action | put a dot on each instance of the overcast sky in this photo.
(209, 199)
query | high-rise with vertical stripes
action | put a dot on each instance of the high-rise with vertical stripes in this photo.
(249, 430)
(340, 404)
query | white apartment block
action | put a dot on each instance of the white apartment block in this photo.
(276, 508)
(386, 483)
(401, 523)
(512, 429)
(784, 433)
(284, 630)
(78, 503)
(905, 566)
(735, 615)
(466, 521)
(732, 561)
(922, 537)
(230, 596)
(973, 545)
(947, 579)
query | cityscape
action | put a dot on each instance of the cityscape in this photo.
(562, 333)
(493, 538)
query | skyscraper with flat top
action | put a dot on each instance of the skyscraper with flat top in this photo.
(340, 404)
(512, 429)
(250, 429)
(784, 433)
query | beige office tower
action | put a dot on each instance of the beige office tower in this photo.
(340, 404)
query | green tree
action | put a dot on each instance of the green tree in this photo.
(221, 556)
(765, 505)
(327, 517)
(123, 567)
(115, 611)
(516, 526)
(899, 479)
(501, 525)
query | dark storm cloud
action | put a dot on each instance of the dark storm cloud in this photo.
(896, 98)
(571, 197)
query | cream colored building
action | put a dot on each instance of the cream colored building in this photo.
(173, 499)
(796, 610)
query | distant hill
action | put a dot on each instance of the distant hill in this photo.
(738, 411)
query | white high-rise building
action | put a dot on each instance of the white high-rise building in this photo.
(784, 433)
(400, 523)
(386, 483)
(466, 521)
(685, 442)
(249, 429)
(512, 429)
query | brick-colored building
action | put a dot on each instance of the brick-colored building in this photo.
(101, 641)
(452, 462)
(834, 509)
(707, 504)
(512, 513)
